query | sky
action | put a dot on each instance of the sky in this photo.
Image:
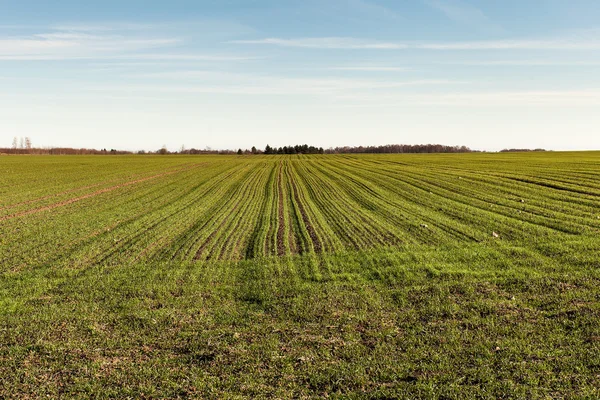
(225, 74)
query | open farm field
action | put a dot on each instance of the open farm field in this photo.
(367, 276)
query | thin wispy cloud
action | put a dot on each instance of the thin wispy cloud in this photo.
(103, 42)
(68, 45)
(115, 40)
(300, 63)
(206, 81)
(522, 63)
(18, 26)
(206, 27)
(105, 27)
(152, 58)
(518, 44)
(324, 43)
(524, 98)
(571, 98)
(188, 57)
(108, 26)
(370, 68)
(345, 43)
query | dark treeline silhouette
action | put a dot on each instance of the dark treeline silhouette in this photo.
(25, 147)
(400, 148)
(519, 150)
(390, 148)
(297, 149)
(196, 151)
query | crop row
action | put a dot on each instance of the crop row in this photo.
(81, 211)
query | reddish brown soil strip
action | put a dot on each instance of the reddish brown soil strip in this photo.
(89, 195)
(62, 193)
(294, 239)
(281, 215)
(234, 252)
(50, 196)
(236, 228)
(268, 251)
(309, 228)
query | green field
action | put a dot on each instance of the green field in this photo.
(375, 276)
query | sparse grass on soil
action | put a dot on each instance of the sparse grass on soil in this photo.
(300, 276)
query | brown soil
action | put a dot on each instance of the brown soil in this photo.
(89, 195)
(281, 218)
(311, 230)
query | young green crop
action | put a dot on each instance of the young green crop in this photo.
(342, 276)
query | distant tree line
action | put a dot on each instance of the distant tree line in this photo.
(390, 148)
(306, 149)
(24, 146)
(519, 150)
(194, 151)
(400, 148)
(63, 151)
(297, 149)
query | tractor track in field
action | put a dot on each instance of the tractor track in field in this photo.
(250, 249)
(267, 246)
(294, 238)
(459, 196)
(280, 214)
(555, 186)
(317, 246)
(349, 183)
(284, 207)
(411, 206)
(236, 224)
(132, 238)
(210, 184)
(212, 235)
(339, 223)
(93, 194)
(214, 182)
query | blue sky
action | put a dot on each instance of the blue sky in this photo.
(233, 73)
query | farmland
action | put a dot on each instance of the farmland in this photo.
(472, 275)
